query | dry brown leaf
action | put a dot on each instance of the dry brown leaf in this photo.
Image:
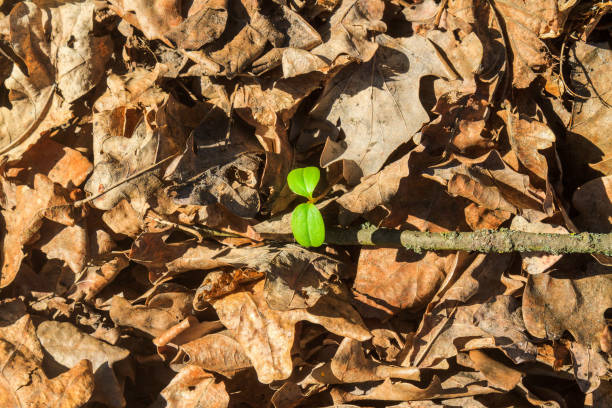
(24, 382)
(374, 103)
(195, 388)
(459, 385)
(591, 77)
(527, 23)
(350, 365)
(24, 209)
(490, 182)
(350, 28)
(527, 138)
(205, 23)
(152, 320)
(393, 279)
(449, 319)
(460, 125)
(218, 352)
(233, 185)
(221, 164)
(465, 57)
(217, 284)
(502, 318)
(155, 19)
(60, 54)
(80, 54)
(63, 165)
(552, 305)
(245, 43)
(295, 277)
(123, 219)
(380, 188)
(269, 108)
(66, 243)
(267, 335)
(67, 345)
(478, 217)
(97, 276)
(498, 375)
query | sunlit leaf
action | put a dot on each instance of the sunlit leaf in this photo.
(303, 181)
(307, 225)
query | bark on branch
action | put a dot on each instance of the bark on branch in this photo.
(479, 241)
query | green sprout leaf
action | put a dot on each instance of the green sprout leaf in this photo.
(307, 225)
(303, 181)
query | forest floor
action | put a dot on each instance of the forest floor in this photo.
(147, 252)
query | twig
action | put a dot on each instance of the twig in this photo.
(199, 232)
(478, 241)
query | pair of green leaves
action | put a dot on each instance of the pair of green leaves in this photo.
(306, 221)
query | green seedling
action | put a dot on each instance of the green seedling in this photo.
(306, 220)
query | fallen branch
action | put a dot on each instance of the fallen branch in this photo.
(480, 241)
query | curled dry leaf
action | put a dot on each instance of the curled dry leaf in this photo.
(267, 335)
(460, 125)
(217, 284)
(218, 352)
(350, 365)
(497, 374)
(269, 108)
(67, 345)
